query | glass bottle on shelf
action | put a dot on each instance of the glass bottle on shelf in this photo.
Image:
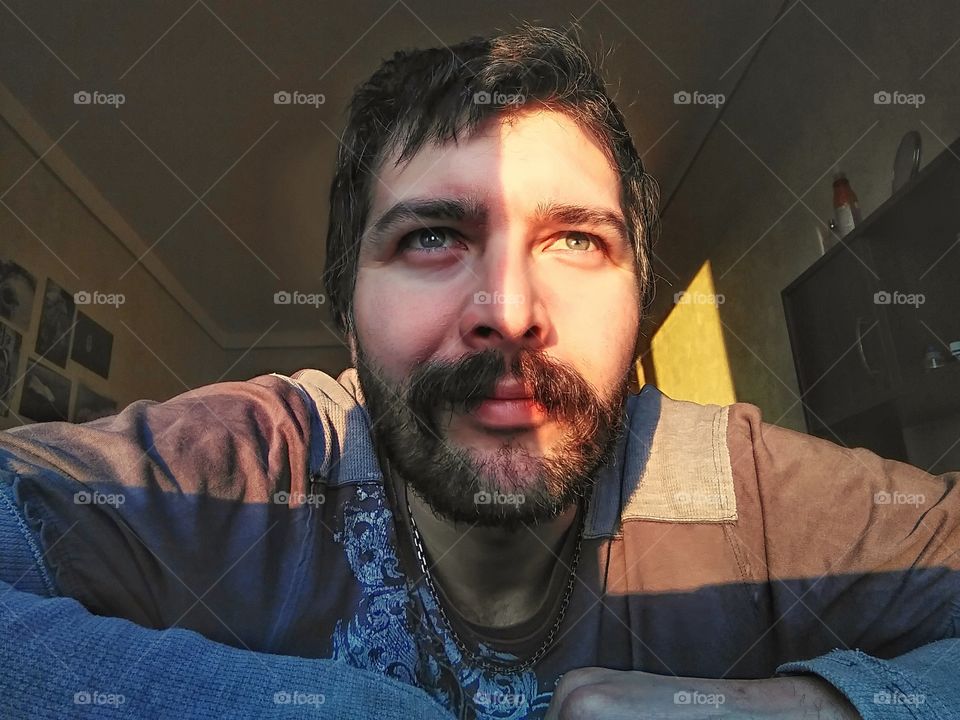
(846, 209)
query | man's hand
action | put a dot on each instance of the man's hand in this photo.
(592, 692)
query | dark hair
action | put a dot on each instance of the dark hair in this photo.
(437, 94)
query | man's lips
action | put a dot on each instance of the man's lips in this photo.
(511, 405)
(511, 390)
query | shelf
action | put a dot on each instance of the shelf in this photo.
(930, 396)
(892, 210)
(859, 362)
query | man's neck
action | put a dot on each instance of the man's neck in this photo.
(496, 577)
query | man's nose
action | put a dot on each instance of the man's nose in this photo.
(505, 310)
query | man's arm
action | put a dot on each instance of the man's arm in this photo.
(923, 683)
(166, 514)
(863, 552)
(60, 660)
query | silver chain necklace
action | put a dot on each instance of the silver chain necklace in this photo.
(474, 658)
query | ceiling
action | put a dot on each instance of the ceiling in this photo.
(223, 193)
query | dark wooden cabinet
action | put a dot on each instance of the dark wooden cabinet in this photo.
(862, 316)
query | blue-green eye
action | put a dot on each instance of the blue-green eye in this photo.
(428, 239)
(578, 242)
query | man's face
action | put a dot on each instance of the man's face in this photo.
(509, 275)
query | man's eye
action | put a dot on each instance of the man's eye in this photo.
(428, 239)
(577, 242)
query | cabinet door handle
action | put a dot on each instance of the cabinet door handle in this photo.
(863, 355)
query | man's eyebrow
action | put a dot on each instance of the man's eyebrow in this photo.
(460, 209)
(563, 214)
(475, 212)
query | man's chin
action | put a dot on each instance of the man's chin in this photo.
(505, 510)
(510, 490)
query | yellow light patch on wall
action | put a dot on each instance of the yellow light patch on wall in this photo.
(689, 355)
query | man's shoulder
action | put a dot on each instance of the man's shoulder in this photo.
(342, 449)
(214, 490)
(689, 462)
(226, 437)
(692, 462)
(678, 465)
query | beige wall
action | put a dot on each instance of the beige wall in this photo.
(688, 354)
(159, 350)
(799, 112)
(82, 255)
(286, 361)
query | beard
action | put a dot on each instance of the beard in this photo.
(509, 486)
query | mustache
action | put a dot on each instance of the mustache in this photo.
(463, 384)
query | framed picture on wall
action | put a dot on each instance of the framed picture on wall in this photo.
(56, 321)
(46, 394)
(91, 405)
(92, 345)
(10, 342)
(17, 290)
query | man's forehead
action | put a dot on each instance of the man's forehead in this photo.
(525, 161)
